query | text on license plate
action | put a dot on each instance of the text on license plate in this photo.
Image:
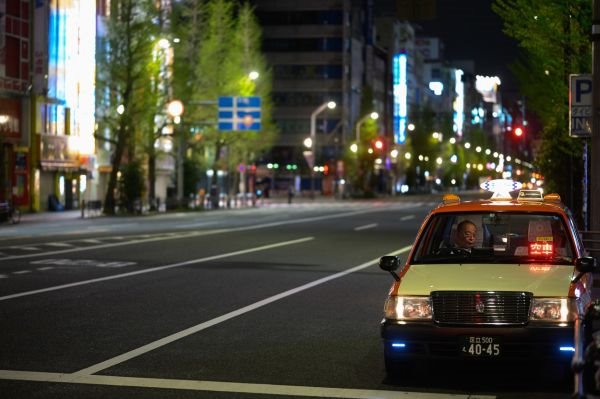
(480, 346)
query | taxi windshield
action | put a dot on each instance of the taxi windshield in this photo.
(494, 237)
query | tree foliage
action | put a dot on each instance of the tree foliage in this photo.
(554, 39)
(123, 82)
(224, 47)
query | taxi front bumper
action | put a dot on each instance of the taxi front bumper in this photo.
(415, 340)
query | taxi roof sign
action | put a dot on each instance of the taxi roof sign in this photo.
(501, 188)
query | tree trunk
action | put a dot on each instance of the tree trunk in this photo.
(109, 201)
(152, 179)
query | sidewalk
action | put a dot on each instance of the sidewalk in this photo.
(48, 217)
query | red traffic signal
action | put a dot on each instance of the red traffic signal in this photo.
(519, 131)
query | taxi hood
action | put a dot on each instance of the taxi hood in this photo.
(540, 279)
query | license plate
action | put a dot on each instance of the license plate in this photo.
(480, 346)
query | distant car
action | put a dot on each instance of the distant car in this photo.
(516, 294)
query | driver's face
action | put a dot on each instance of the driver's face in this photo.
(466, 236)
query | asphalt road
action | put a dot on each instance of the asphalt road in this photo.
(282, 301)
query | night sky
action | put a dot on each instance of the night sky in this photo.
(471, 30)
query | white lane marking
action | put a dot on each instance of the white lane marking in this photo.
(158, 268)
(22, 272)
(407, 217)
(365, 227)
(217, 320)
(92, 241)
(230, 387)
(59, 244)
(201, 233)
(199, 224)
(45, 268)
(25, 248)
(3, 276)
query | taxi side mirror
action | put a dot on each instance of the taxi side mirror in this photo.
(583, 265)
(390, 264)
(586, 264)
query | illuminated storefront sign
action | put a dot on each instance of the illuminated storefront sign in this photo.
(459, 102)
(71, 44)
(399, 70)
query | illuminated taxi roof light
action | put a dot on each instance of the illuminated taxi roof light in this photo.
(552, 198)
(450, 199)
(501, 188)
(530, 195)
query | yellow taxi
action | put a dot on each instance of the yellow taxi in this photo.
(503, 278)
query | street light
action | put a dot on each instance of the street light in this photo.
(175, 110)
(313, 134)
(373, 115)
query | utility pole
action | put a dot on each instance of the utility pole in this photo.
(595, 153)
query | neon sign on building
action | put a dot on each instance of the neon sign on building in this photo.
(400, 87)
(459, 102)
(71, 72)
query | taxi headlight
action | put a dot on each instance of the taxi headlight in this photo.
(407, 308)
(553, 309)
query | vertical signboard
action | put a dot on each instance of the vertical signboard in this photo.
(40, 55)
(2, 38)
(580, 105)
(400, 87)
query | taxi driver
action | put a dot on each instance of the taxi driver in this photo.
(466, 233)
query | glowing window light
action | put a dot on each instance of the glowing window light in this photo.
(82, 183)
(436, 87)
(61, 185)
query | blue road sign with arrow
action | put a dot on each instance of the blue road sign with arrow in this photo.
(239, 113)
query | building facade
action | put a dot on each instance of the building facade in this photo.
(15, 86)
(320, 51)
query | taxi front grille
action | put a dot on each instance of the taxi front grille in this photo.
(474, 307)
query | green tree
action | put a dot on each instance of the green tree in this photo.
(222, 46)
(554, 38)
(122, 82)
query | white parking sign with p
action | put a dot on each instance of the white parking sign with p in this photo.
(580, 105)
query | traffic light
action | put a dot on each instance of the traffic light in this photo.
(519, 132)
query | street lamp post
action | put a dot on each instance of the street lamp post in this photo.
(372, 115)
(313, 134)
(175, 109)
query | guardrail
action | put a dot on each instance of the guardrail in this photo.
(591, 241)
(91, 208)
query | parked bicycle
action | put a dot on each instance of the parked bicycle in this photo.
(8, 213)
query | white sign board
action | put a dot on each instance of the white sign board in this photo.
(580, 106)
